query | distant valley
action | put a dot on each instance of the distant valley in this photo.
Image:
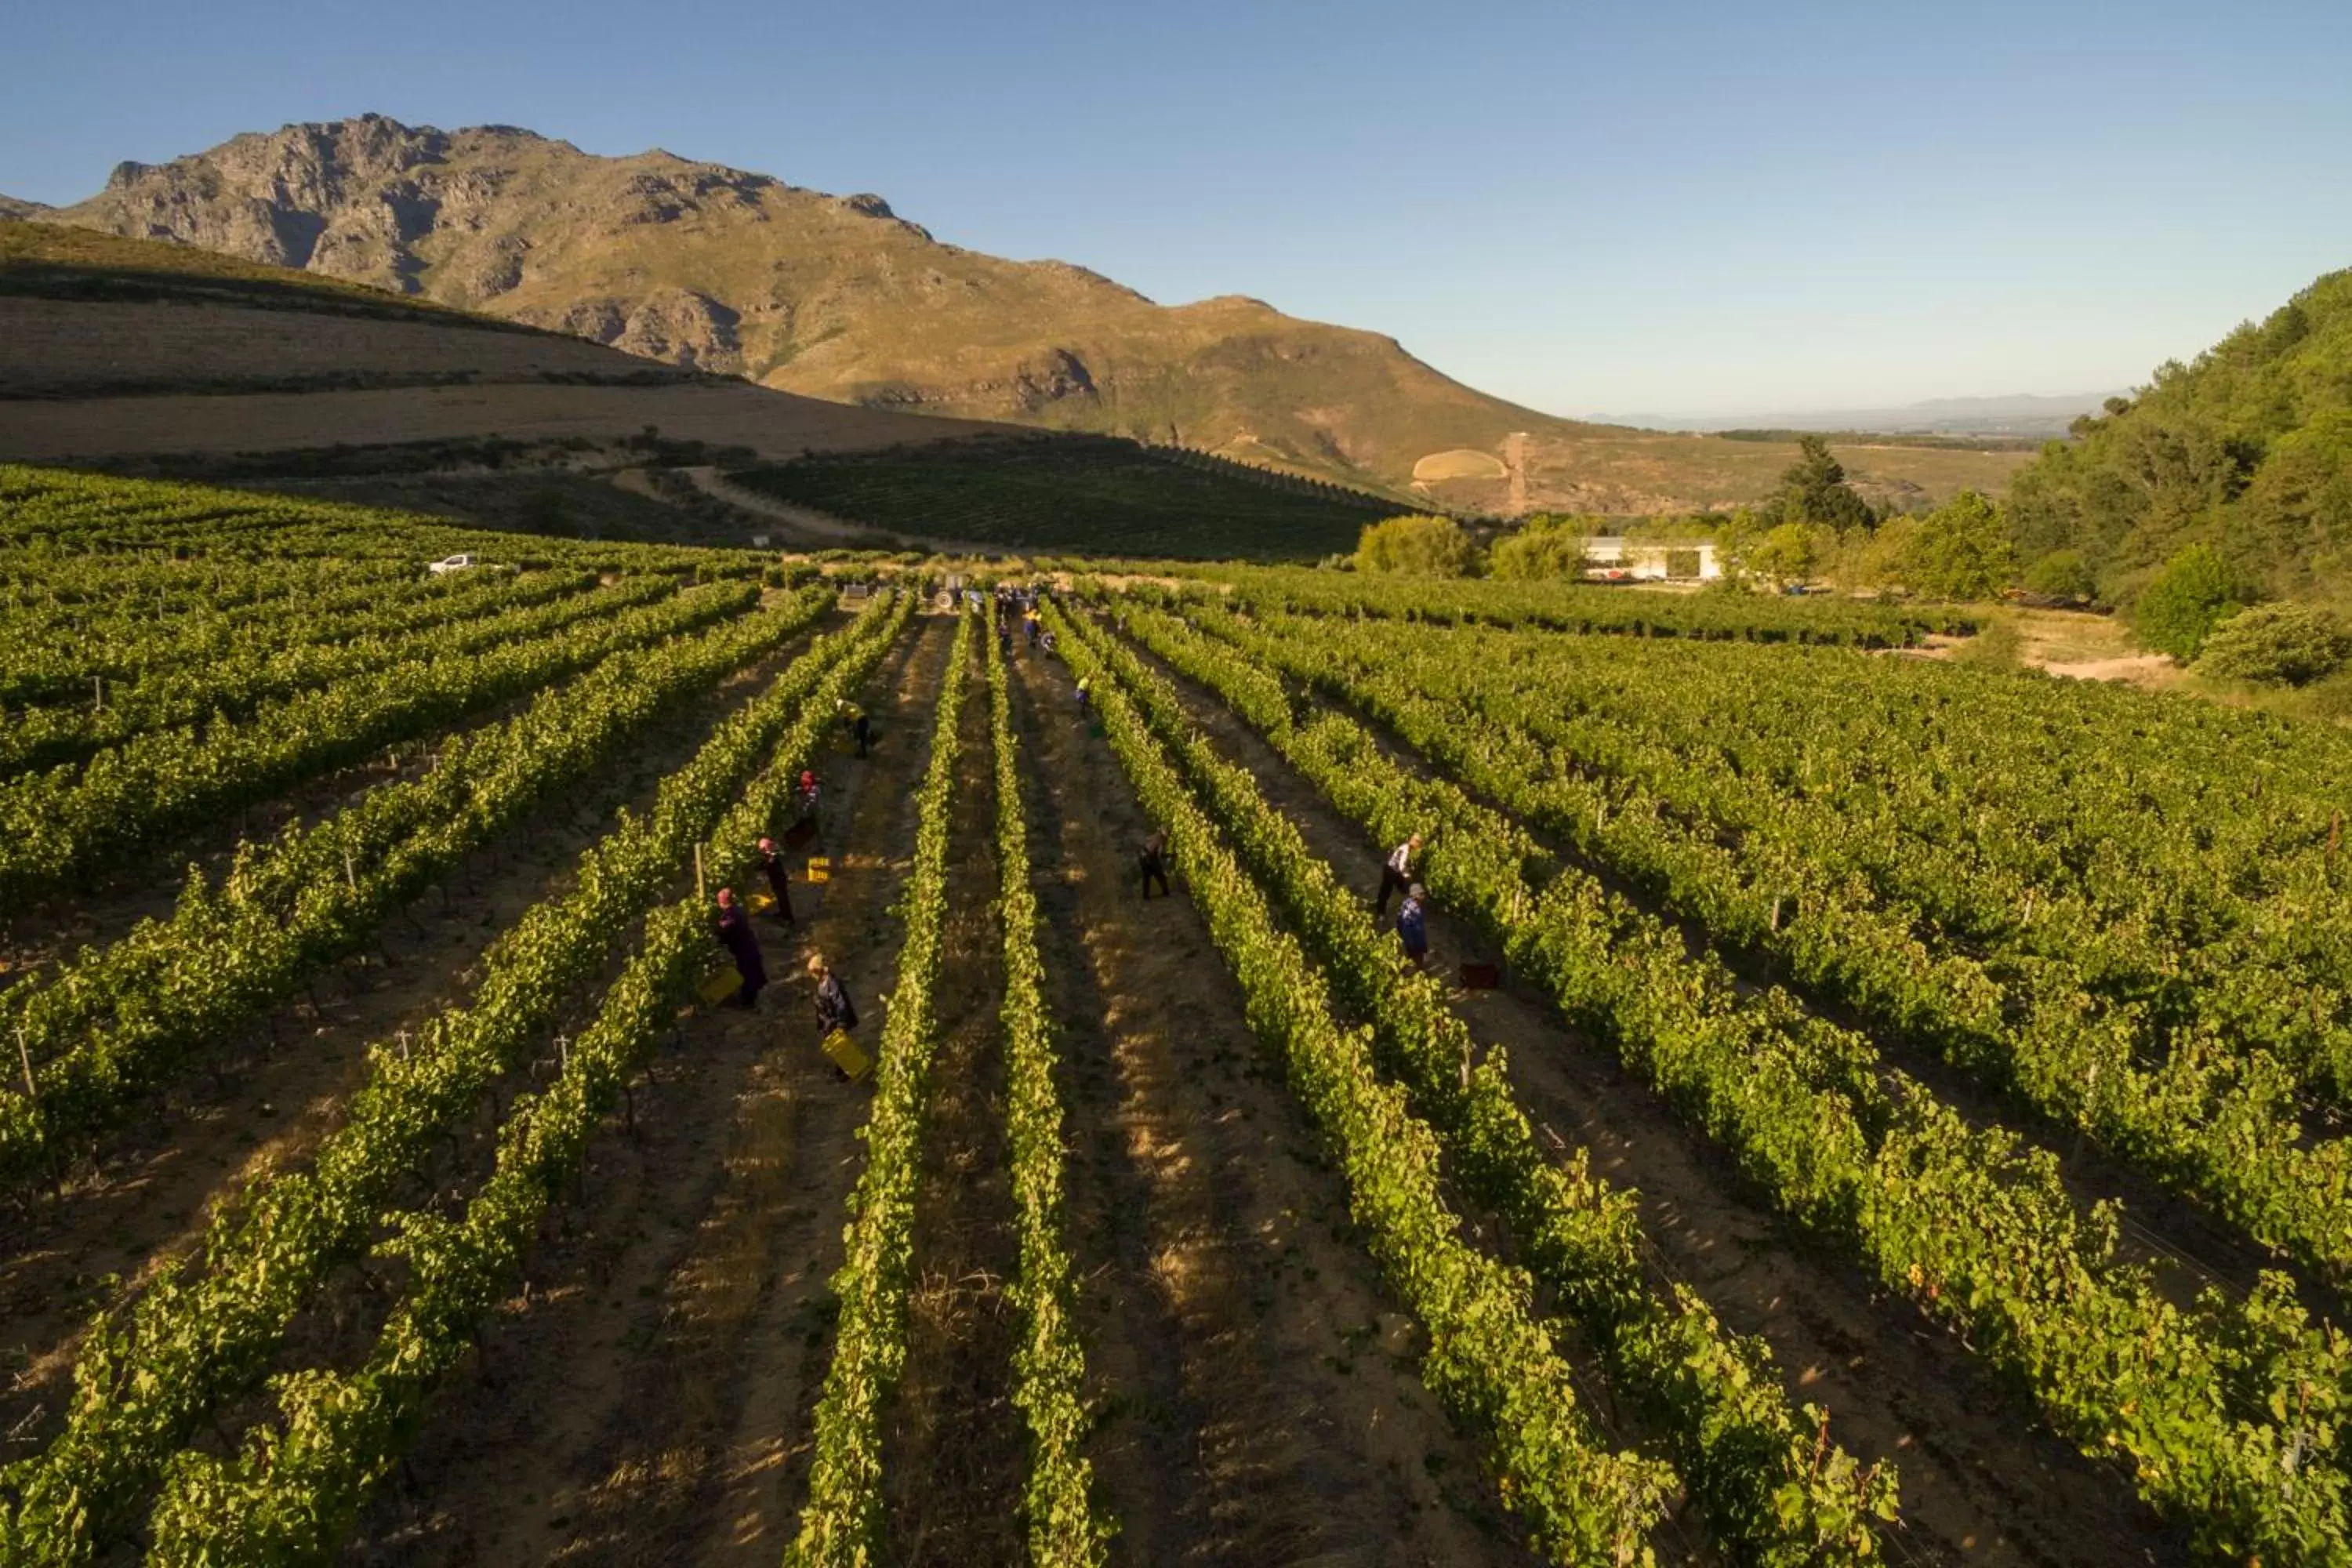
(2024, 415)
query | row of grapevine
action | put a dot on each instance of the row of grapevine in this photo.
(201, 1332)
(1490, 1359)
(1584, 608)
(74, 659)
(2182, 863)
(1765, 1476)
(840, 1523)
(115, 1021)
(292, 1491)
(1065, 1530)
(51, 588)
(94, 514)
(67, 821)
(2228, 1415)
(2216, 1124)
(225, 690)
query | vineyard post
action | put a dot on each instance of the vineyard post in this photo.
(25, 1060)
(698, 894)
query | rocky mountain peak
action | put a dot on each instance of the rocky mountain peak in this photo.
(726, 271)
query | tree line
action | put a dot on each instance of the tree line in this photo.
(2232, 574)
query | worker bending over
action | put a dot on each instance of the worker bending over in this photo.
(735, 934)
(1396, 874)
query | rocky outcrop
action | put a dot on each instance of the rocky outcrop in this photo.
(683, 328)
(15, 208)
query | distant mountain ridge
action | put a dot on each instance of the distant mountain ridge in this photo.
(836, 296)
(2023, 414)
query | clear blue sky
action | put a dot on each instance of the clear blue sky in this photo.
(1659, 206)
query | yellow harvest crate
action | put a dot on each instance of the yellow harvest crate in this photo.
(847, 1055)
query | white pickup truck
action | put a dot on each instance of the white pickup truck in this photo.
(452, 564)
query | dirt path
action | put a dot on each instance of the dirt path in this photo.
(647, 1399)
(1982, 1482)
(955, 1449)
(821, 527)
(1255, 1384)
(2148, 671)
(150, 1189)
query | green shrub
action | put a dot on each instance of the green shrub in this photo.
(1788, 554)
(2062, 575)
(2276, 644)
(2195, 592)
(1959, 550)
(1417, 546)
(1548, 549)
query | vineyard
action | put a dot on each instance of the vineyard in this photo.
(1856, 1107)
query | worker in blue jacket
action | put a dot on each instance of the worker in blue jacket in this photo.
(1412, 924)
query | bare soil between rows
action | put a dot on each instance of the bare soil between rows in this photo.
(1257, 1387)
(644, 1398)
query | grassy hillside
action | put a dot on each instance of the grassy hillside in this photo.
(835, 297)
(2249, 448)
(42, 259)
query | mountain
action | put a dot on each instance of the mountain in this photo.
(159, 358)
(836, 296)
(829, 296)
(2249, 448)
(15, 208)
(2027, 415)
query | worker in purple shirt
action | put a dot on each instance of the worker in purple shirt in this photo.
(735, 934)
(1412, 924)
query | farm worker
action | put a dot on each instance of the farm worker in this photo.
(1153, 860)
(1004, 641)
(1086, 696)
(1035, 625)
(834, 1010)
(1412, 925)
(771, 862)
(862, 728)
(809, 792)
(1046, 642)
(1395, 873)
(735, 934)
